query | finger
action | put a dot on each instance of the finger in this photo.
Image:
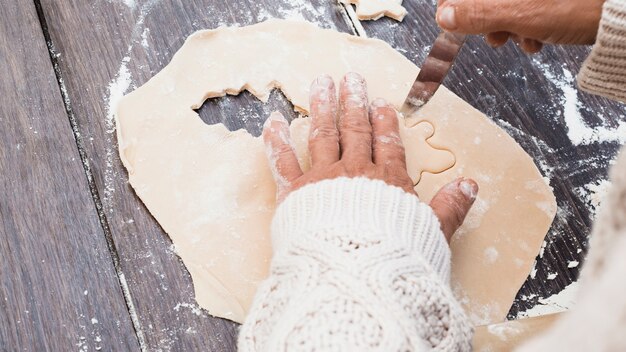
(280, 153)
(497, 39)
(531, 46)
(355, 130)
(324, 137)
(387, 145)
(452, 203)
(483, 16)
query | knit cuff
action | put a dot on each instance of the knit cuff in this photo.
(364, 210)
(604, 71)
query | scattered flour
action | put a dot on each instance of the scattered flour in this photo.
(598, 190)
(491, 255)
(593, 193)
(144, 38)
(559, 302)
(129, 3)
(577, 129)
(116, 90)
(132, 311)
(194, 308)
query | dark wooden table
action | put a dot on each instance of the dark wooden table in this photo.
(83, 265)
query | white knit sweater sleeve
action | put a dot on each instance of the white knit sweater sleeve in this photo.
(358, 266)
(604, 71)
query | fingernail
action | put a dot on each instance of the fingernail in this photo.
(469, 189)
(355, 86)
(379, 103)
(324, 80)
(447, 18)
(354, 76)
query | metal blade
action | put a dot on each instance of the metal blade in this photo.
(434, 70)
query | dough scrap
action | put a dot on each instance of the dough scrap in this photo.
(212, 191)
(375, 9)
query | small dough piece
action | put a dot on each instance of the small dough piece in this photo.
(375, 9)
(212, 190)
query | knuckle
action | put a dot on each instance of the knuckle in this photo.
(475, 16)
(400, 179)
(324, 132)
(282, 149)
(355, 124)
(358, 169)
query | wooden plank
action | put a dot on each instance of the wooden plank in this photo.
(101, 43)
(526, 96)
(58, 286)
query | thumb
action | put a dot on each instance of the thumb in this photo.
(476, 16)
(452, 203)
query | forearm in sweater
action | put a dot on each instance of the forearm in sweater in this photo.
(604, 71)
(358, 265)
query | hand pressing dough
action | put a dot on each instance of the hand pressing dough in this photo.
(421, 155)
(375, 9)
(213, 193)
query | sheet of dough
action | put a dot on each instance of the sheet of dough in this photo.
(375, 9)
(212, 191)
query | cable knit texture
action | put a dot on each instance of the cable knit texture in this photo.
(604, 71)
(358, 266)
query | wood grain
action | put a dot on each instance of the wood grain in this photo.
(519, 93)
(97, 41)
(58, 286)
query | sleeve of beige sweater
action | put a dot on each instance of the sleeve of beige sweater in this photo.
(604, 71)
(358, 265)
(597, 322)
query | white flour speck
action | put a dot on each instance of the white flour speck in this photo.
(144, 38)
(491, 255)
(572, 263)
(194, 308)
(593, 193)
(129, 3)
(117, 88)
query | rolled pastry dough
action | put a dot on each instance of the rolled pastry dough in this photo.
(212, 191)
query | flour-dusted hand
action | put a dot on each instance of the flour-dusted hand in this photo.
(530, 23)
(351, 138)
